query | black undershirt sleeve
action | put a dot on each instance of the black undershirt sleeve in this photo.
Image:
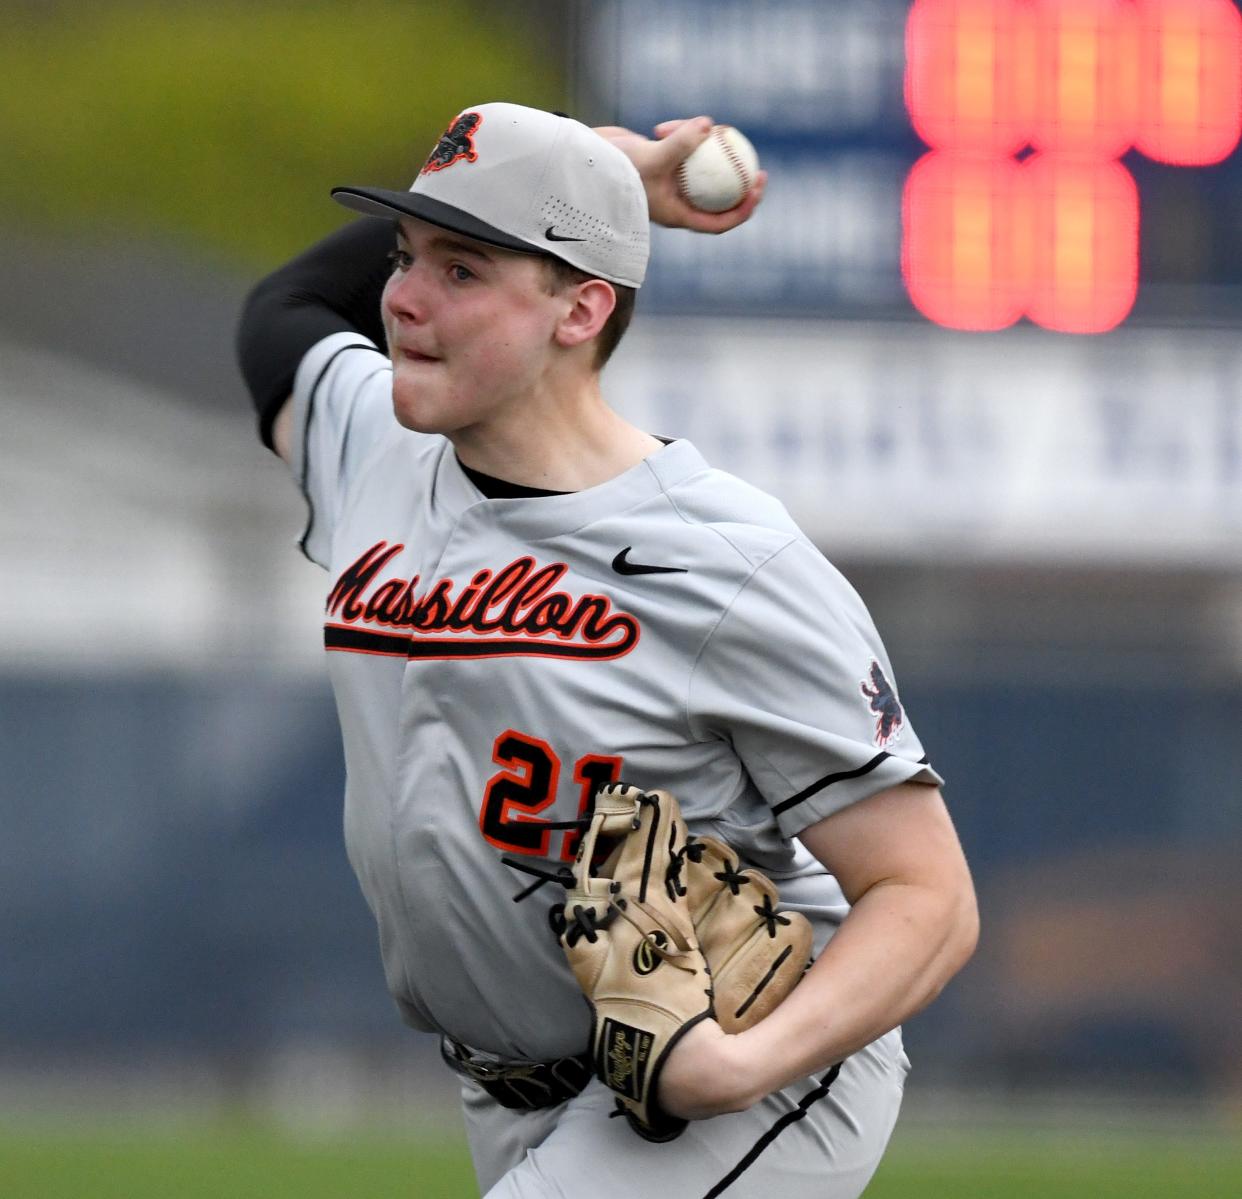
(334, 287)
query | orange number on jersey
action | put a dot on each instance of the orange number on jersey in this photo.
(508, 816)
(513, 797)
(592, 772)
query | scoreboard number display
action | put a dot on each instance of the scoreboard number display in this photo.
(975, 164)
(1022, 206)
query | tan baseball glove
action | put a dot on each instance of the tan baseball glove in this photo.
(756, 954)
(656, 926)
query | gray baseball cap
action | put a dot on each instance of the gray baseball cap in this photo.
(530, 181)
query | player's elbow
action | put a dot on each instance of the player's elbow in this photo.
(952, 913)
(965, 927)
(960, 931)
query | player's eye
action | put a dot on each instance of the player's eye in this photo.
(399, 260)
(461, 273)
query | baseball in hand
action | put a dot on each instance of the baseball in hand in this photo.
(717, 176)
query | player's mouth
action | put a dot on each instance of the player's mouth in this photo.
(415, 355)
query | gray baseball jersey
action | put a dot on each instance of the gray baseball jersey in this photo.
(496, 660)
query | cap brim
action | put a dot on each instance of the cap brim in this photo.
(377, 201)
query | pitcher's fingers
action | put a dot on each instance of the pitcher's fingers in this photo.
(664, 128)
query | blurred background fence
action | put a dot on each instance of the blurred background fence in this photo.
(1045, 524)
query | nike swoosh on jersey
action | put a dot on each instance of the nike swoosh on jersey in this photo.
(623, 566)
(553, 236)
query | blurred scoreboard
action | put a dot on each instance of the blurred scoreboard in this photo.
(975, 163)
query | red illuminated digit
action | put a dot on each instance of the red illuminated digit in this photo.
(1085, 100)
(1190, 80)
(962, 254)
(1084, 219)
(968, 75)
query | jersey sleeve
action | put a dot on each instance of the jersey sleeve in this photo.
(342, 411)
(794, 675)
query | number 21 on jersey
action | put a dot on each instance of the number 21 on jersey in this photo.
(509, 817)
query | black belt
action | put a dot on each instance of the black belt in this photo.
(523, 1085)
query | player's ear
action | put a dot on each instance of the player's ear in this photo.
(590, 305)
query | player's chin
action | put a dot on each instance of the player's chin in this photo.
(421, 406)
(417, 418)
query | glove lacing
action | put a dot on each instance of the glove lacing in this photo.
(769, 915)
(584, 922)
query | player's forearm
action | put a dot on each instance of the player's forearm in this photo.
(899, 946)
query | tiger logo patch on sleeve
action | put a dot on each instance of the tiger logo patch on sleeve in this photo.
(890, 719)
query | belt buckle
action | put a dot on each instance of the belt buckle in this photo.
(464, 1061)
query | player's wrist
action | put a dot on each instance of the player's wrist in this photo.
(707, 1074)
(771, 1055)
(758, 1065)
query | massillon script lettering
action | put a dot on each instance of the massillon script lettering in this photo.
(516, 610)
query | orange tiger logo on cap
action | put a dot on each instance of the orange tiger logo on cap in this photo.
(455, 143)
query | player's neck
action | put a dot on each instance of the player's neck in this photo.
(557, 443)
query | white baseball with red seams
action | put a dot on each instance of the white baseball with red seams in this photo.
(717, 176)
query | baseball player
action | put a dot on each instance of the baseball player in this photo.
(529, 599)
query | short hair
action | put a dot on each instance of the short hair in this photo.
(561, 274)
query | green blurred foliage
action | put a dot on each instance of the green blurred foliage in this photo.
(226, 124)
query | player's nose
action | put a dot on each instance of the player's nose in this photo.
(406, 297)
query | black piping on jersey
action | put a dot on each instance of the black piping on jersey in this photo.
(306, 427)
(752, 1155)
(839, 777)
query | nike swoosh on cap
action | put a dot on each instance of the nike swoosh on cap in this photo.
(551, 235)
(623, 566)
